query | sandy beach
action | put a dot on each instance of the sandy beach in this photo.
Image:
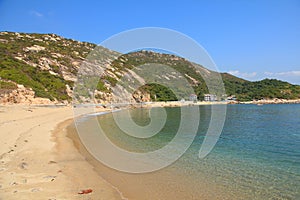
(38, 161)
(41, 157)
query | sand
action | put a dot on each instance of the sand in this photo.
(172, 182)
(38, 161)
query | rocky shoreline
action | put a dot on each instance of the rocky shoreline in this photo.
(272, 101)
(24, 96)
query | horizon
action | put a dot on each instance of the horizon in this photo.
(251, 40)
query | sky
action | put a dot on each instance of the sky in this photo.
(250, 39)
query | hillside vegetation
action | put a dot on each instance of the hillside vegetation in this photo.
(264, 89)
(41, 62)
(49, 64)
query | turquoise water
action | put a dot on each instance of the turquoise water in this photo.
(256, 157)
(258, 153)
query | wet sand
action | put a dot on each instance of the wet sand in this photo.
(41, 157)
(167, 184)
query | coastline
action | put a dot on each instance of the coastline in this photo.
(272, 101)
(199, 103)
(38, 161)
(168, 183)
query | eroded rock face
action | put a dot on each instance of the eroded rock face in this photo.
(141, 96)
(22, 95)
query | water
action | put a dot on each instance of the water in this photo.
(256, 157)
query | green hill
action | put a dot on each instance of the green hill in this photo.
(49, 64)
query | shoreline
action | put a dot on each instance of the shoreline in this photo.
(189, 103)
(101, 188)
(72, 136)
(164, 184)
(109, 107)
(50, 165)
(150, 185)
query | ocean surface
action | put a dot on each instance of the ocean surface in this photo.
(256, 157)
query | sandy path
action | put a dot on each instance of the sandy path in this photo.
(36, 165)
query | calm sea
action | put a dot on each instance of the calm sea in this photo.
(256, 157)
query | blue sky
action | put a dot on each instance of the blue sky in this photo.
(250, 39)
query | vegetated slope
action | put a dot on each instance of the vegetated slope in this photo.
(49, 64)
(198, 77)
(46, 63)
(265, 89)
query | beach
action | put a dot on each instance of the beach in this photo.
(38, 161)
(245, 163)
(42, 157)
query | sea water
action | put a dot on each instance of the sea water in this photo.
(256, 157)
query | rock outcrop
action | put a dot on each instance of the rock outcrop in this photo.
(22, 95)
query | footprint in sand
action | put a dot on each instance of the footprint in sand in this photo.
(51, 178)
(35, 189)
(14, 183)
(52, 162)
(23, 165)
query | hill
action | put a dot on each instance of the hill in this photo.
(264, 89)
(47, 66)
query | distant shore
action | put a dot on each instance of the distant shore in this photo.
(191, 103)
(272, 101)
(109, 106)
